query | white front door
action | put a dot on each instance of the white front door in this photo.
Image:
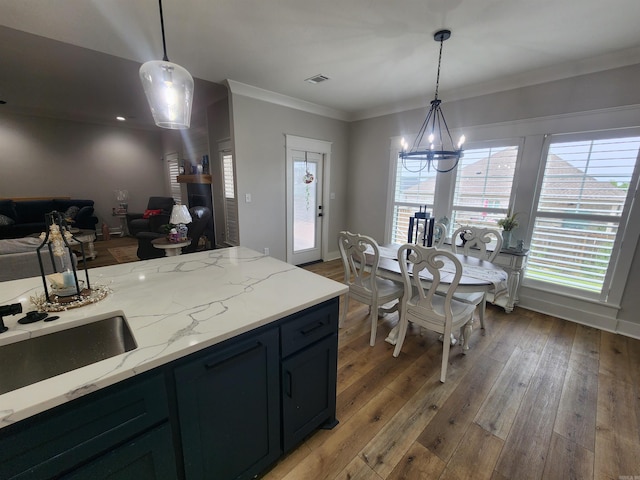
(307, 207)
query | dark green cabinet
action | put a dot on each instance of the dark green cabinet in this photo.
(226, 412)
(228, 409)
(67, 437)
(146, 457)
(308, 373)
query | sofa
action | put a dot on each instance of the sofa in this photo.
(19, 259)
(19, 218)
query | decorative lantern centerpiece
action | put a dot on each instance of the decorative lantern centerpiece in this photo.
(64, 282)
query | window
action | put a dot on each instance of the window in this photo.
(479, 194)
(230, 202)
(414, 189)
(484, 180)
(173, 172)
(582, 208)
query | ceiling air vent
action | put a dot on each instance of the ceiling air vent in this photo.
(316, 79)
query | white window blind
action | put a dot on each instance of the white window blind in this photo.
(173, 172)
(581, 208)
(414, 189)
(232, 234)
(484, 180)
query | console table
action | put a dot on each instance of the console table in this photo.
(513, 262)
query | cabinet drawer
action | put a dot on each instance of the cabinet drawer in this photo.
(60, 439)
(147, 457)
(309, 327)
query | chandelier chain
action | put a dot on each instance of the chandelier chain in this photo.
(438, 74)
(164, 43)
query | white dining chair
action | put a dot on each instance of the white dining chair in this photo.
(438, 312)
(473, 241)
(360, 258)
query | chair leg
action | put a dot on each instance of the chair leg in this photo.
(445, 354)
(482, 307)
(402, 332)
(345, 307)
(373, 314)
(468, 327)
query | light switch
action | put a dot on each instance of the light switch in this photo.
(247, 197)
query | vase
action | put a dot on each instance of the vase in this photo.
(506, 238)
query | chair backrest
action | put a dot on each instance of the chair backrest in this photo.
(160, 203)
(201, 217)
(473, 241)
(439, 234)
(421, 230)
(360, 257)
(432, 263)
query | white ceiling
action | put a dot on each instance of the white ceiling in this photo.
(379, 54)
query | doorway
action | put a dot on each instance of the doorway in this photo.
(306, 212)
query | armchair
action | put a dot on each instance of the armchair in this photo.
(157, 214)
(202, 222)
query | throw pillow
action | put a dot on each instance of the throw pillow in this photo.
(151, 213)
(4, 220)
(71, 212)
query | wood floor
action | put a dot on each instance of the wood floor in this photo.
(535, 398)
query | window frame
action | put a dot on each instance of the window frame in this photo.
(493, 144)
(445, 184)
(626, 240)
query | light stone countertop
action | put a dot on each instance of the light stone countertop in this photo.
(174, 305)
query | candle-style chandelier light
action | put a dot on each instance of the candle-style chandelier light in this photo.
(440, 146)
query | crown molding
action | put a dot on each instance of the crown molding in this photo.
(238, 88)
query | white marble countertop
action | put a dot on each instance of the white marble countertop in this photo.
(174, 306)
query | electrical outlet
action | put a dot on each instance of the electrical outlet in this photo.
(266, 250)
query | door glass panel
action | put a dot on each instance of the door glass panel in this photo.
(304, 204)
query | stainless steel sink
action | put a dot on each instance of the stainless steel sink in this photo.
(29, 361)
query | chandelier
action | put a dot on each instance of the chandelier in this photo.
(169, 89)
(440, 146)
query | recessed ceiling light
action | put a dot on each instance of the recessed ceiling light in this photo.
(120, 119)
(317, 79)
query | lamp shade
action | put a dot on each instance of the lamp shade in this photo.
(180, 214)
(169, 91)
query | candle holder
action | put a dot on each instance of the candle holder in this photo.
(56, 240)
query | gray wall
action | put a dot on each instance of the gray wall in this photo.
(50, 157)
(609, 99)
(258, 130)
(219, 130)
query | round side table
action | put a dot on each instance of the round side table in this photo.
(171, 249)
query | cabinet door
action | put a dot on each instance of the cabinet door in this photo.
(309, 391)
(229, 409)
(148, 457)
(67, 436)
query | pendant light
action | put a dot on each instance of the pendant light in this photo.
(169, 89)
(440, 146)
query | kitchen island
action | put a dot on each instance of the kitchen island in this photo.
(189, 315)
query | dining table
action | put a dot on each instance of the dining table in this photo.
(477, 276)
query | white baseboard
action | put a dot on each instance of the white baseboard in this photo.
(592, 314)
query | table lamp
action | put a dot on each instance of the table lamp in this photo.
(180, 217)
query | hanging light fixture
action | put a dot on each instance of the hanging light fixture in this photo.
(169, 89)
(440, 145)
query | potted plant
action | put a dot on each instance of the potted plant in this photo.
(508, 223)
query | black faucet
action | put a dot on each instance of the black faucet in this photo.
(12, 309)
